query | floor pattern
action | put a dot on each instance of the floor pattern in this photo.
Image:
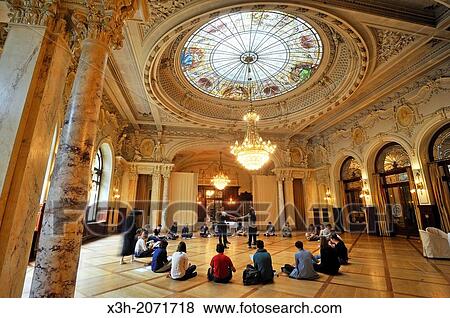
(379, 267)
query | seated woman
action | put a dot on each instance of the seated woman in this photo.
(240, 231)
(313, 233)
(341, 249)
(141, 249)
(286, 231)
(181, 268)
(329, 262)
(185, 232)
(204, 231)
(270, 230)
(303, 268)
(221, 267)
(172, 234)
(326, 231)
(160, 262)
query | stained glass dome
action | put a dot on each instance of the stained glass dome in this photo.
(251, 55)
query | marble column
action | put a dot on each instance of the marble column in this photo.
(165, 201)
(289, 201)
(155, 205)
(30, 99)
(281, 209)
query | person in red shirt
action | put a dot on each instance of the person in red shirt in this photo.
(221, 267)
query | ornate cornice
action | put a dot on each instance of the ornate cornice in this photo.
(35, 12)
(391, 43)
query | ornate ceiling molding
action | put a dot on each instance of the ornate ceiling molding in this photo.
(391, 43)
(342, 71)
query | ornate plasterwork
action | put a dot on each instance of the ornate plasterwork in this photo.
(346, 53)
(162, 9)
(35, 12)
(3, 33)
(391, 43)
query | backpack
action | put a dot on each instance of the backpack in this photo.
(250, 276)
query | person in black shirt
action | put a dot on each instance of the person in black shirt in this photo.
(252, 230)
(222, 228)
(329, 262)
(341, 249)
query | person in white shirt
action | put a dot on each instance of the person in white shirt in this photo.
(141, 249)
(326, 232)
(181, 268)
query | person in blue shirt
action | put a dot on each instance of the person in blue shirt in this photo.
(303, 268)
(262, 262)
(160, 263)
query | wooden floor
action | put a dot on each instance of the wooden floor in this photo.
(379, 267)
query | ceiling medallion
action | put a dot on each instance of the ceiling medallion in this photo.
(253, 152)
(220, 180)
(282, 51)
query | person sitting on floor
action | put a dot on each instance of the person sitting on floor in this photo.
(185, 232)
(313, 233)
(262, 262)
(329, 262)
(160, 262)
(172, 234)
(341, 249)
(303, 268)
(326, 232)
(286, 230)
(155, 237)
(270, 230)
(240, 230)
(222, 268)
(141, 249)
(181, 268)
(204, 231)
(157, 230)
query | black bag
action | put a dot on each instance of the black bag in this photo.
(250, 276)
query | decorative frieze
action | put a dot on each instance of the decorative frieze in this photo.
(391, 43)
(36, 12)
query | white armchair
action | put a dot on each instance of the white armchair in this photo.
(436, 243)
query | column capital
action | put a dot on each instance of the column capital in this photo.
(166, 170)
(101, 20)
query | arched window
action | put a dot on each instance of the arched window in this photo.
(97, 171)
(351, 184)
(440, 145)
(100, 183)
(396, 181)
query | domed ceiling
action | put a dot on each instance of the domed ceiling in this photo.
(251, 55)
(293, 63)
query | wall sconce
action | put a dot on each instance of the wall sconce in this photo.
(418, 183)
(116, 194)
(364, 191)
(328, 195)
(230, 201)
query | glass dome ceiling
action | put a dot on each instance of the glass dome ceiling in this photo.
(251, 55)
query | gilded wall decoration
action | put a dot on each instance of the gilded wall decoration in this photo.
(404, 116)
(146, 148)
(358, 136)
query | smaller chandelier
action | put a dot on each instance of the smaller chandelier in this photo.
(220, 180)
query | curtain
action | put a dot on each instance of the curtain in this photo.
(441, 195)
(265, 199)
(380, 203)
(142, 196)
(183, 191)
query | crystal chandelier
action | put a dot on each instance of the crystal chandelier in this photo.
(253, 152)
(220, 180)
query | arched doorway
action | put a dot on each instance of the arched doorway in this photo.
(351, 187)
(439, 169)
(395, 181)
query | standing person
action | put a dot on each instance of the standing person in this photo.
(329, 262)
(341, 249)
(252, 230)
(303, 268)
(221, 267)
(181, 268)
(160, 262)
(222, 229)
(129, 237)
(262, 262)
